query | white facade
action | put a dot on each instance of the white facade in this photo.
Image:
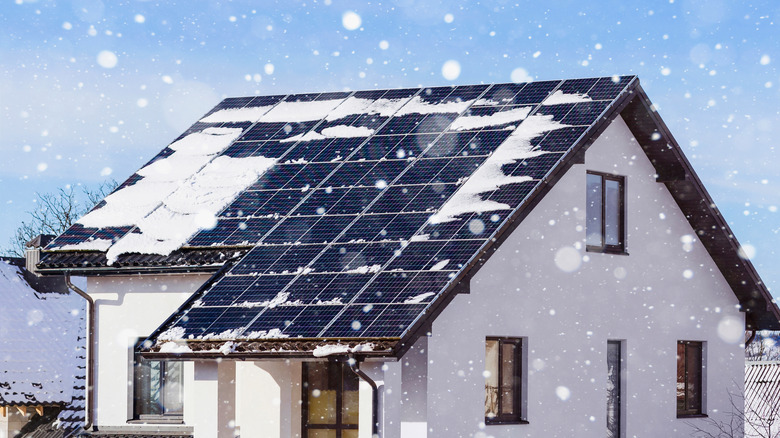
(540, 285)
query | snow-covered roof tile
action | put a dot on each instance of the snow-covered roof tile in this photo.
(42, 335)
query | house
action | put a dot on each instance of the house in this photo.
(42, 367)
(762, 399)
(534, 259)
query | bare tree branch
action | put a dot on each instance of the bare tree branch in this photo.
(56, 212)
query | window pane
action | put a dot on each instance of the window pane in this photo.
(693, 377)
(612, 213)
(350, 402)
(613, 389)
(155, 383)
(508, 378)
(141, 389)
(593, 210)
(322, 399)
(491, 379)
(173, 399)
(322, 433)
(680, 377)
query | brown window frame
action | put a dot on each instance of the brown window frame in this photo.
(518, 417)
(141, 393)
(620, 247)
(697, 408)
(339, 427)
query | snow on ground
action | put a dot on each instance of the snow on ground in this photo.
(490, 176)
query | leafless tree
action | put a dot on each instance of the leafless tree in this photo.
(765, 346)
(756, 417)
(55, 212)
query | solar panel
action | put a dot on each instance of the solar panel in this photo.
(376, 200)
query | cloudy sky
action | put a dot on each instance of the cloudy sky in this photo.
(90, 90)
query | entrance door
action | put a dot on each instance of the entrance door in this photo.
(613, 389)
(330, 400)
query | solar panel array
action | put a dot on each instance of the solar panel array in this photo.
(340, 230)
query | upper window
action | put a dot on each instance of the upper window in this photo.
(690, 378)
(503, 376)
(158, 389)
(605, 225)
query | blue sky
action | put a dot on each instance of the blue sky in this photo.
(90, 90)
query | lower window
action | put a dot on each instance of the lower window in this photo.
(503, 377)
(158, 389)
(330, 400)
(690, 378)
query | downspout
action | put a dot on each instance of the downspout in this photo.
(90, 352)
(751, 338)
(355, 367)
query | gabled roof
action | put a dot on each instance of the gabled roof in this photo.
(353, 218)
(42, 334)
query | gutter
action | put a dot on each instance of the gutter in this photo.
(355, 367)
(90, 351)
(751, 338)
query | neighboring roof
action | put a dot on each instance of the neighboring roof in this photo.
(353, 218)
(762, 396)
(42, 335)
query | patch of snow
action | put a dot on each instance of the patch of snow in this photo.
(227, 348)
(344, 131)
(355, 105)
(298, 112)
(309, 136)
(227, 335)
(192, 206)
(465, 123)
(90, 245)
(334, 301)
(439, 266)
(175, 347)
(418, 298)
(560, 97)
(420, 237)
(417, 105)
(490, 176)
(127, 206)
(365, 269)
(237, 115)
(331, 349)
(279, 300)
(263, 334)
(172, 334)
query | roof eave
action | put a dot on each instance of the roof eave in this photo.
(675, 171)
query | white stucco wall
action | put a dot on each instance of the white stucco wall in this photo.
(664, 291)
(126, 308)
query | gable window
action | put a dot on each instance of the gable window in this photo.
(158, 389)
(330, 400)
(605, 226)
(503, 381)
(690, 378)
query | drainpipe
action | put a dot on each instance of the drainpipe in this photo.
(90, 351)
(355, 367)
(751, 338)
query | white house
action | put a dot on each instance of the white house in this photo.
(498, 260)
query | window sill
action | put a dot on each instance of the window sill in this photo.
(597, 249)
(504, 422)
(157, 420)
(692, 416)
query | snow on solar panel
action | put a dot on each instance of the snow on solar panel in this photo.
(358, 208)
